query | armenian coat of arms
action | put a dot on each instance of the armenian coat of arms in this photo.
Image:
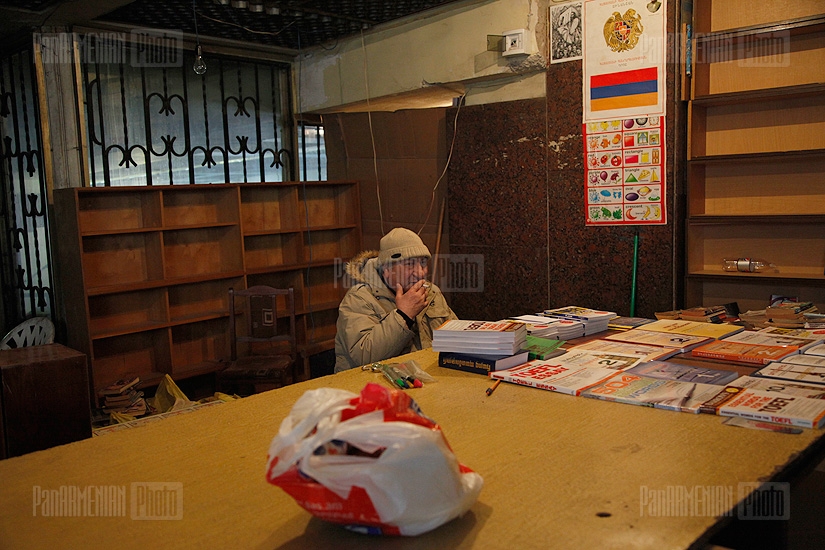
(622, 32)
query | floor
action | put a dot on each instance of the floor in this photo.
(805, 530)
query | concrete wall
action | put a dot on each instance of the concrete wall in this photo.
(445, 50)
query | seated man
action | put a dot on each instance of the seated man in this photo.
(390, 310)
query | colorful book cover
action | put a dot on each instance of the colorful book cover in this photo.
(644, 351)
(789, 371)
(634, 389)
(569, 373)
(743, 353)
(684, 373)
(542, 348)
(547, 375)
(580, 313)
(693, 328)
(804, 359)
(622, 322)
(771, 339)
(496, 330)
(780, 386)
(795, 332)
(679, 342)
(771, 407)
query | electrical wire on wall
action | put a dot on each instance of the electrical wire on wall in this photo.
(375, 153)
(446, 164)
(372, 134)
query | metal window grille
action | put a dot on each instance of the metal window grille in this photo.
(26, 276)
(167, 125)
(313, 165)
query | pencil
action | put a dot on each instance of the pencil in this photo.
(492, 388)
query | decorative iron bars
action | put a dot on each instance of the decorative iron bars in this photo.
(313, 165)
(26, 276)
(162, 125)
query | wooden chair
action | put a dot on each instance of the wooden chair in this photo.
(268, 357)
(31, 332)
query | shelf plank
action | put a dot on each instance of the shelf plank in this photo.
(160, 283)
(799, 25)
(773, 156)
(791, 219)
(765, 94)
(770, 278)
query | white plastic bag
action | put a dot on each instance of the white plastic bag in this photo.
(372, 462)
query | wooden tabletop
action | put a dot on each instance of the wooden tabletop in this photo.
(559, 471)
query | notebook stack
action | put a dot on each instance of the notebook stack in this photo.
(593, 320)
(789, 314)
(480, 337)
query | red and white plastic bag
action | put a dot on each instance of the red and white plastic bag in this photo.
(372, 462)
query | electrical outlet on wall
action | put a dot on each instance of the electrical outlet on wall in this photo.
(515, 42)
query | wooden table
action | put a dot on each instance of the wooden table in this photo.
(559, 471)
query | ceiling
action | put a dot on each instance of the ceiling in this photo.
(290, 25)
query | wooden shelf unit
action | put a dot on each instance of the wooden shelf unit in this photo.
(146, 271)
(756, 151)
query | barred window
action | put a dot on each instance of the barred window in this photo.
(159, 125)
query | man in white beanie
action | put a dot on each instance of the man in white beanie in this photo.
(391, 309)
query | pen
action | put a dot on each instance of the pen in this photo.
(492, 388)
(404, 373)
(401, 378)
(395, 377)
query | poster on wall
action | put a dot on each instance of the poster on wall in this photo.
(625, 171)
(624, 58)
(624, 93)
(565, 32)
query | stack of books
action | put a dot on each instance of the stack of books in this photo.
(789, 314)
(815, 321)
(709, 314)
(755, 318)
(621, 322)
(539, 325)
(124, 397)
(594, 321)
(703, 314)
(485, 337)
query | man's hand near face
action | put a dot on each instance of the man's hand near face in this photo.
(412, 302)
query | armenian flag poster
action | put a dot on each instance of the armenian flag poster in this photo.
(624, 47)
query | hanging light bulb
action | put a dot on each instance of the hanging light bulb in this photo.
(200, 65)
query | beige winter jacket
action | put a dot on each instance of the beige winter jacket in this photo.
(370, 328)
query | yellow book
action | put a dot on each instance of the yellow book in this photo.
(693, 328)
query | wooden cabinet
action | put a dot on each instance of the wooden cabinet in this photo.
(756, 151)
(44, 398)
(145, 271)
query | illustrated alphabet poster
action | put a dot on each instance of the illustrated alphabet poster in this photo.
(625, 171)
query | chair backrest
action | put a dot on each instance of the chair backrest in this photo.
(260, 310)
(31, 332)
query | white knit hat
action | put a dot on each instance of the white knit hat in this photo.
(401, 244)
